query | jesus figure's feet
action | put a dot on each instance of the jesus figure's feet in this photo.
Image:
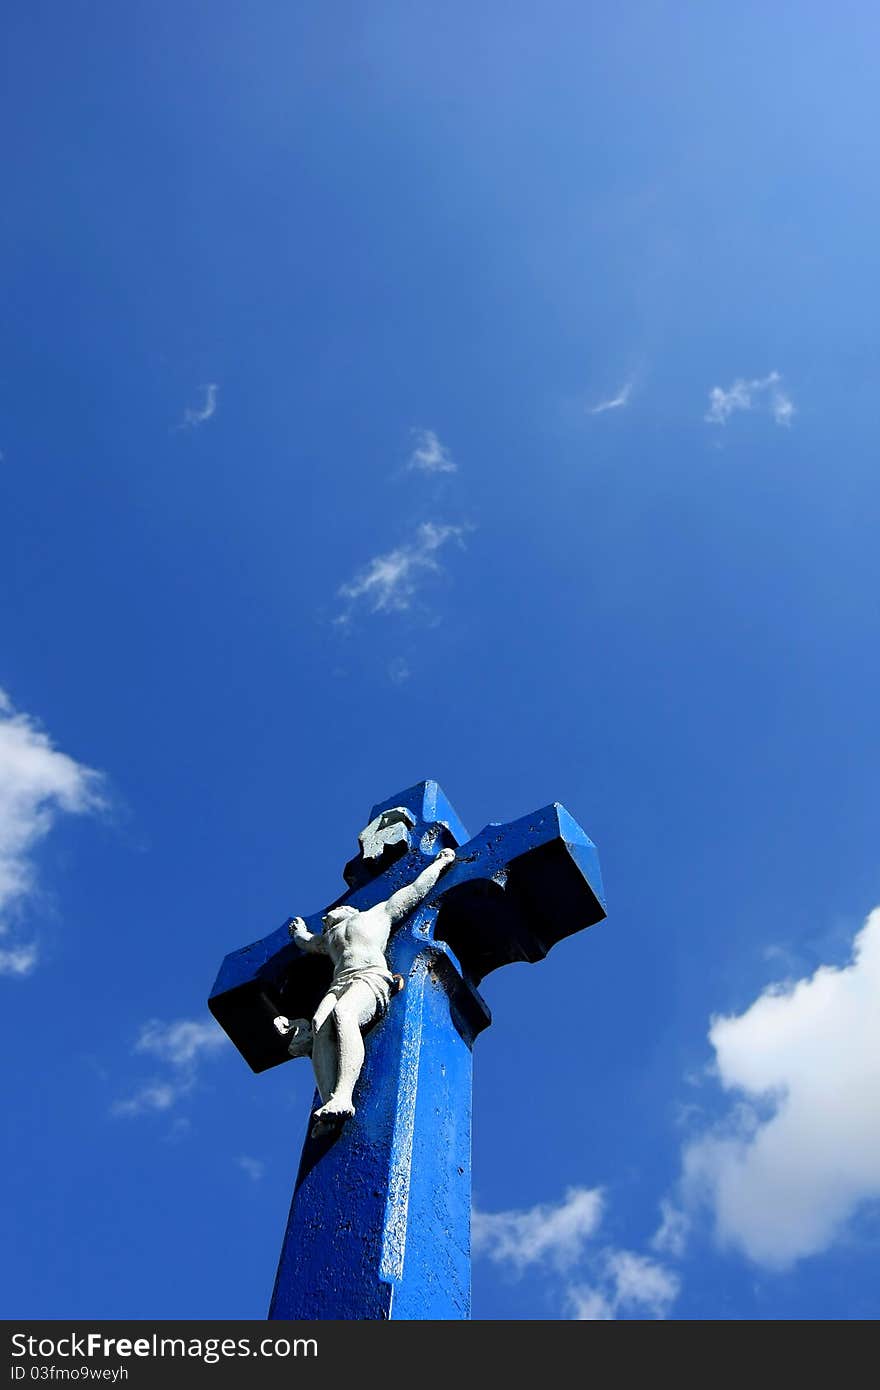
(330, 1117)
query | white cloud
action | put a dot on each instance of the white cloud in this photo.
(18, 960)
(156, 1095)
(587, 1304)
(750, 395)
(182, 1045)
(640, 1282)
(723, 403)
(254, 1167)
(671, 1235)
(782, 408)
(37, 783)
(399, 671)
(557, 1233)
(615, 403)
(627, 1284)
(388, 582)
(799, 1152)
(197, 415)
(595, 1282)
(429, 455)
(179, 1043)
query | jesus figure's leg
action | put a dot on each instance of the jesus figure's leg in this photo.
(353, 1012)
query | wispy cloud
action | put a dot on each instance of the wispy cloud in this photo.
(388, 583)
(781, 408)
(254, 1167)
(399, 671)
(429, 455)
(671, 1235)
(155, 1095)
(625, 1284)
(197, 414)
(182, 1046)
(591, 1281)
(37, 783)
(615, 403)
(181, 1043)
(17, 960)
(797, 1155)
(554, 1232)
(759, 393)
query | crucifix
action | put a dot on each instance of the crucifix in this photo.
(380, 989)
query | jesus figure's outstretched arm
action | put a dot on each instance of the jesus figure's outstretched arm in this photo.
(401, 903)
(305, 939)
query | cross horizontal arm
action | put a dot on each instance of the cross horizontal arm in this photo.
(515, 890)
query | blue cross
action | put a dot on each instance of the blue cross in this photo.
(379, 1225)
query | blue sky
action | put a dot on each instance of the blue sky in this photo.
(480, 392)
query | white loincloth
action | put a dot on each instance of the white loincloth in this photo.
(381, 982)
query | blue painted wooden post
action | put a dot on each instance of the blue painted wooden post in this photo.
(379, 1226)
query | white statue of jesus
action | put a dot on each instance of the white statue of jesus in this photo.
(360, 990)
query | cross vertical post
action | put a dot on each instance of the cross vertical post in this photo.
(379, 1224)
